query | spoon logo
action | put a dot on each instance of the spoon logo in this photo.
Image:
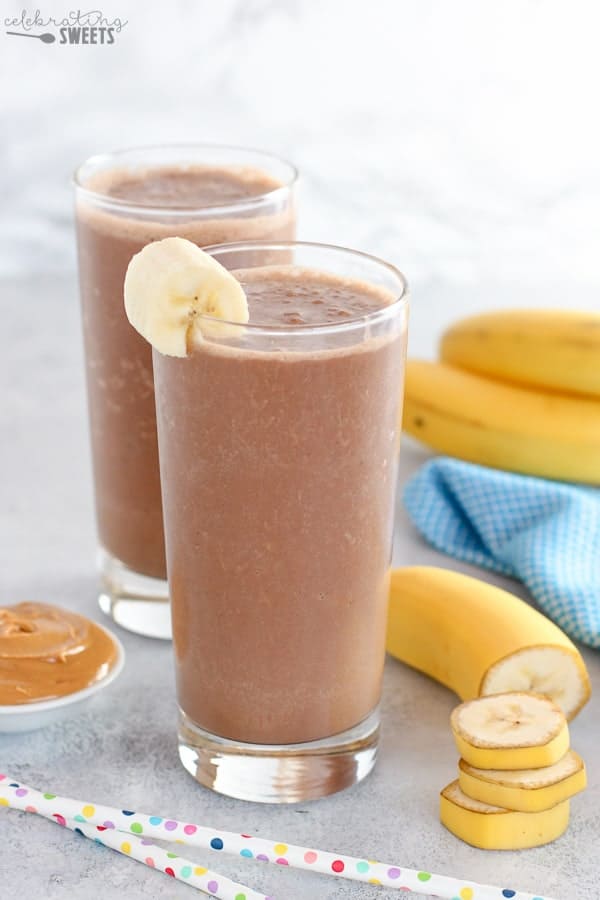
(76, 27)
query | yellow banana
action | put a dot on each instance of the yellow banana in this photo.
(494, 828)
(555, 349)
(478, 639)
(502, 425)
(513, 730)
(526, 790)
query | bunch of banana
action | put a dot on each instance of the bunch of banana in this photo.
(516, 390)
(553, 349)
(478, 639)
(516, 773)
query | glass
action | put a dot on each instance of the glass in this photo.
(278, 453)
(121, 205)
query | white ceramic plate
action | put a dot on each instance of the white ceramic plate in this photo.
(29, 716)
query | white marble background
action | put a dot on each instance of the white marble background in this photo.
(460, 139)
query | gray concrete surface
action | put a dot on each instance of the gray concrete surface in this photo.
(121, 750)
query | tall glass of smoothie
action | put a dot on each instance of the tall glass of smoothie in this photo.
(125, 200)
(278, 451)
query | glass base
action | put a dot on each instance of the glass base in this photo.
(289, 773)
(135, 602)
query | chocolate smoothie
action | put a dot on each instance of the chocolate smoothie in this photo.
(118, 212)
(278, 469)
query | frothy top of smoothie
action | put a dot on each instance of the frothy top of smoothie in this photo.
(184, 187)
(293, 295)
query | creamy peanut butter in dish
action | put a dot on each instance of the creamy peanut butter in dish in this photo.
(47, 652)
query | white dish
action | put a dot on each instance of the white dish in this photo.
(30, 716)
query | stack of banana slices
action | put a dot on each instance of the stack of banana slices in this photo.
(516, 774)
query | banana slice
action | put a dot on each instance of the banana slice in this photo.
(556, 672)
(493, 828)
(525, 790)
(516, 730)
(175, 293)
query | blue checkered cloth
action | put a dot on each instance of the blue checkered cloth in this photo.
(544, 533)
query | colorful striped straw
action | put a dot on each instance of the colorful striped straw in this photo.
(19, 796)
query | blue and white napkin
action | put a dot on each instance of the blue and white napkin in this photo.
(545, 533)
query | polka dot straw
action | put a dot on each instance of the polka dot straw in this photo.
(86, 823)
(149, 853)
(126, 826)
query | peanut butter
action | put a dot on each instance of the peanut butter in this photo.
(48, 652)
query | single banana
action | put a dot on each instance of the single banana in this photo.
(493, 828)
(525, 790)
(553, 349)
(501, 425)
(515, 730)
(478, 639)
(175, 293)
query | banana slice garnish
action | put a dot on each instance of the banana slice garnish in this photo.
(175, 294)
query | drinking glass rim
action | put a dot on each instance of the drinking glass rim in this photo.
(373, 317)
(203, 211)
